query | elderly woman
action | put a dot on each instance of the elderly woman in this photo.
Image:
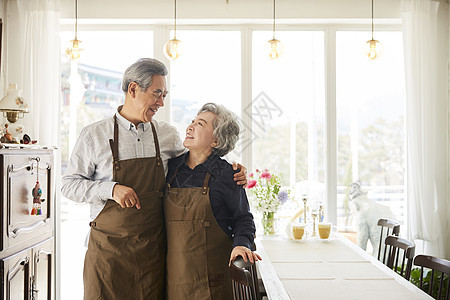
(208, 220)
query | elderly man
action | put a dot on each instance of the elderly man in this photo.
(118, 166)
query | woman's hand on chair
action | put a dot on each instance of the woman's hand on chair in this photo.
(246, 254)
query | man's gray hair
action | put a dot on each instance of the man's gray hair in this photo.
(142, 72)
(226, 128)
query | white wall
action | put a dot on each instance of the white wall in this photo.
(235, 9)
(2, 9)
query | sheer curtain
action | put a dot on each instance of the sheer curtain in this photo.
(33, 56)
(39, 70)
(426, 134)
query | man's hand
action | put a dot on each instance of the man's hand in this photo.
(241, 176)
(245, 253)
(125, 196)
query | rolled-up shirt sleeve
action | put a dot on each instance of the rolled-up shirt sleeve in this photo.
(79, 182)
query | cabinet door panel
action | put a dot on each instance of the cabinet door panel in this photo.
(43, 278)
(15, 271)
(20, 175)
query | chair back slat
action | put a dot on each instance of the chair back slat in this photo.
(409, 265)
(435, 264)
(421, 277)
(440, 287)
(431, 282)
(393, 227)
(385, 246)
(403, 263)
(397, 254)
(448, 291)
(257, 286)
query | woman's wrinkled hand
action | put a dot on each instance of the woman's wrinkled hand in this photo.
(241, 176)
(247, 254)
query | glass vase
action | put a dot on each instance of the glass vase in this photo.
(269, 222)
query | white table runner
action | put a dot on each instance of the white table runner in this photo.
(348, 289)
(334, 269)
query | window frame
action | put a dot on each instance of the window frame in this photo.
(162, 33)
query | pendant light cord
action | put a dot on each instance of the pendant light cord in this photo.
(175, 21)
(273, 19)
(76, 18)
(372, 19)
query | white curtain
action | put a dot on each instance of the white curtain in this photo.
(426, 135)
(39, 67)
(33, 62)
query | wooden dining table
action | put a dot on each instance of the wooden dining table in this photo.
(327, 269)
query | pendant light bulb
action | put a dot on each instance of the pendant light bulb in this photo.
(172, 49)
(274, 48)
(373, 49)
(73, 52)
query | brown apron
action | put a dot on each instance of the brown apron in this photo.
(198, 250)
(126, 252)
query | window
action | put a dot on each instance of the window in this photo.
(370, 121)
(208, 71)
(288, 106)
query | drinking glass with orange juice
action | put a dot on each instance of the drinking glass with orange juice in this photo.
(298, 231)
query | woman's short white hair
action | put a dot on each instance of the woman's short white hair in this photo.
(226, 128)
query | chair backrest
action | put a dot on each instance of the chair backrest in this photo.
(392, 228)
(395, 244)
(243, 276)
(435, 264)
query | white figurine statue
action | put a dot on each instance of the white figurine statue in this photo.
(368, 213)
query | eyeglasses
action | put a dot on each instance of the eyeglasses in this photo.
(159, 94)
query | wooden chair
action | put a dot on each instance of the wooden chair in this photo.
(435, 264)
(393, 227)
(243, 276)
(394, 244)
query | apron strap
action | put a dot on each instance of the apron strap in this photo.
(205, 184)
(115, 145)
(155, 137)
